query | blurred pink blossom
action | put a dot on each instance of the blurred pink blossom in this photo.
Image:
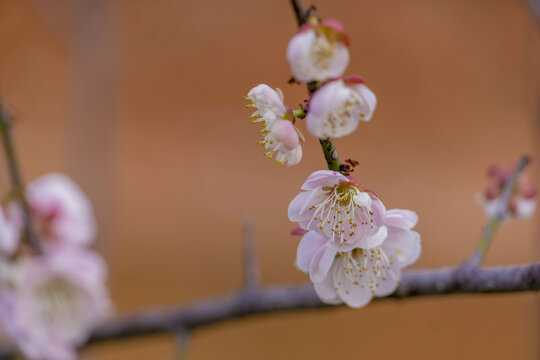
(318, 51)
(523, 197)
(58, 299)
(60, 210)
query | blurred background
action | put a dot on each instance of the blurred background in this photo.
(141, 102)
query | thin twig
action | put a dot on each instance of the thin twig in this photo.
(500, 212)
(16, 179)
(181, 337)
(535, 8)
(252, 276)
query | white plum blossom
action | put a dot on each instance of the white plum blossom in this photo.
(355, 276)
(59, 298)
(279, 136)
(318, 52)
(338, 106)
(60, 210)
(338, 208)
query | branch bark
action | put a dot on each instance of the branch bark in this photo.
(252, 275)
(16, 179)
(276, 299)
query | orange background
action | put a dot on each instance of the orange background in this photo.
(141, 102)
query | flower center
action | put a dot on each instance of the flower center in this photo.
(344, 112)
(345, 207)
(371, 265)
(322, 50)
(60, 304)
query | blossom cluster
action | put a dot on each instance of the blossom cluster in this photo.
(352, 247)
(317, 54)
(522, 202)
(51, 297)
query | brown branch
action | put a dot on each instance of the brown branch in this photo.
(276, 299)
(16, 179)
(252, 276)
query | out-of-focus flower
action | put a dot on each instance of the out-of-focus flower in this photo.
(60, 210)
(338, 106)
(279, 136)
(59, 298)
(522, 200)
(318, 51)
(338, 208)
(357, 275)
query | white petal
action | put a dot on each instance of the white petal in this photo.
(326, 291)
(309, 245)
(323, 178)
(370, 242)
(406, 219)
(525, 208)
(403, 245)
(353, 294)
(321, 263)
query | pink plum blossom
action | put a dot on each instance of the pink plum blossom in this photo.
(318, 51)
(338, 208)
(338, 106)
(522, 199)
(59, 298)
(60, 210)
(279, 136)
(355, 276)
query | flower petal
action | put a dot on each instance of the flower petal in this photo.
(323, 178)
(355, 293)
(309, 245)
(406, 219)
(321, 263)
(403, 245)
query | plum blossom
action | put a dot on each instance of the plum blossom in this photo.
(338, 106)
(338, 208)
(522, 199)
(58, 299)
(355, 276)
(279, 136)
(60, 210)
(318, 51)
